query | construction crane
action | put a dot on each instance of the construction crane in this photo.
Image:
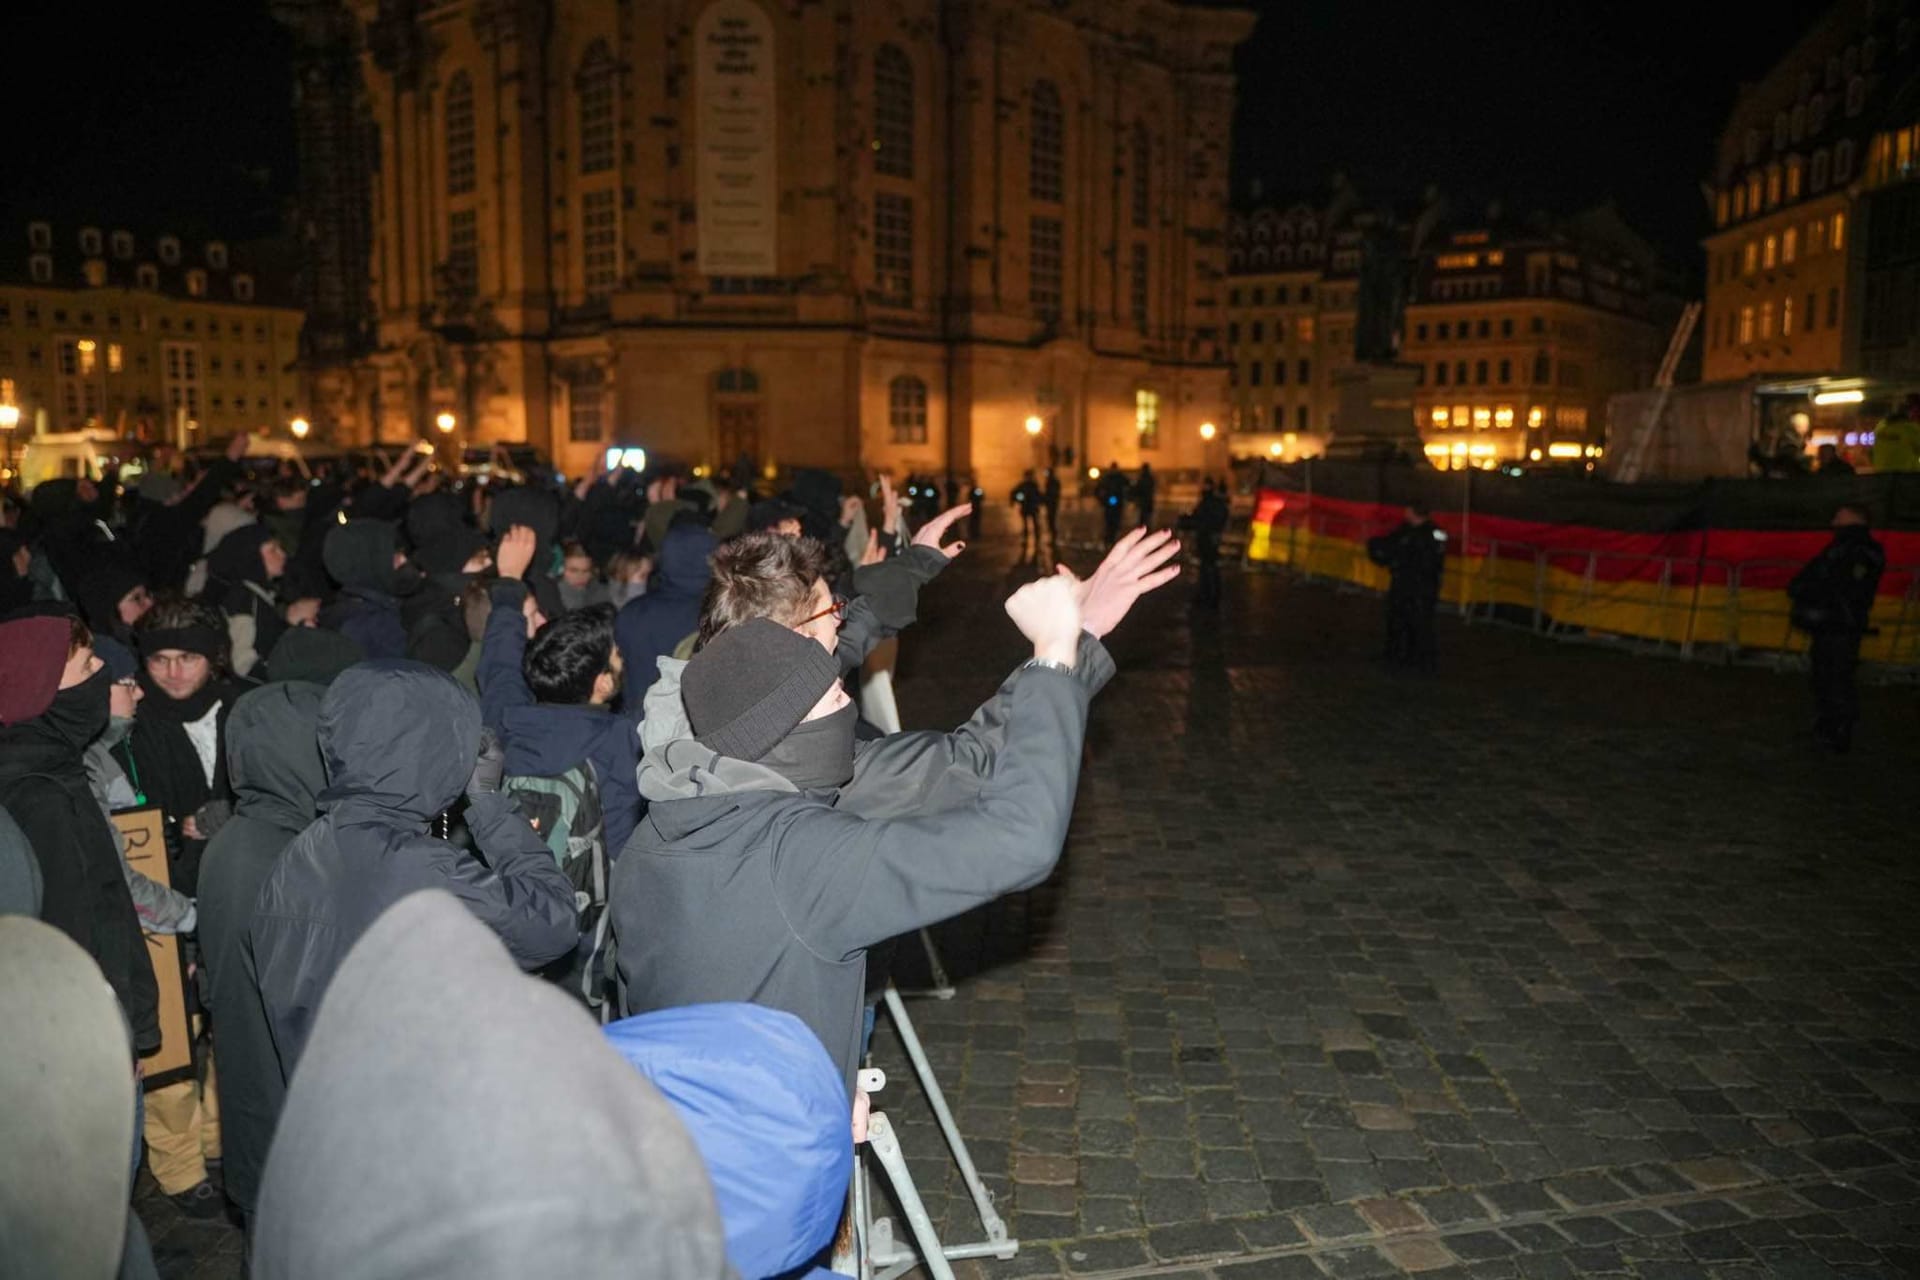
(1648, 428)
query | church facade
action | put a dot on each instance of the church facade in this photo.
(969, 236)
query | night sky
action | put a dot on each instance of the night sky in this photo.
(180, 114)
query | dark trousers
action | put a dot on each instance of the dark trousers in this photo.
(1410, 635)
(1209, 551)
(1029, 527)
(1110, 513)
(1052, 510)
(1835, 661)
(1146, 515)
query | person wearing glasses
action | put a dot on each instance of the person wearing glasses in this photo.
(774, 851)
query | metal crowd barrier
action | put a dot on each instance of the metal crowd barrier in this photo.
(1691, 607)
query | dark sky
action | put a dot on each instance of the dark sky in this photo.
(180, 113)
(1549, 104)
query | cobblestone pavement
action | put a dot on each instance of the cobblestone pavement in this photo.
(1561, 963)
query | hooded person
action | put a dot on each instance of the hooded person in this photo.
(21, 888)
(113, 597)
(765, 1108)
(67, 1093)
(54, 700)
(495, 1133)
(176, 751)
(651, 627)
(241, 575)
(432, 516)
(400, 740)
(274, 763)
(362, 555)
(160, 908)
(16, 564)
(311, 653)
(762, 811)
(448, 563)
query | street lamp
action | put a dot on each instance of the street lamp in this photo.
(1207, 430)
(299, 427)
(445, 422)
(1034, 425)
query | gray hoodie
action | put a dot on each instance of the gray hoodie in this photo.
(738, 886)
(452, 1117)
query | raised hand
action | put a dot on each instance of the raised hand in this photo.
(1048, 613)
(935, 529)
(516, 552)
(1136, 565)
(873, 554)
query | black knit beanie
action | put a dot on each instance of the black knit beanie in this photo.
(751, 684)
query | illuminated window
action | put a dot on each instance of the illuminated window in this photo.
(1746, 324)
(96, 273)
(892, 112)
(1816, 236)
(1536, 416)
(893, 248)
(1766, 320)
(1739, 201)
(1773, 186)
(907, 410)
(1046, 164)
(458, 121)
(1146, 418)
(1839, 232)
(1462, 416)
(197, 283)
(1753, 191)
(1789, 245)
(1750, 261)
(599, 241)
(1142, 175)
(1482, 417)
(595, 89)
(1793, 178)
(1045, 267)
(1438, 416)
(1786, 318)
(1720, 209)
(1503, 416)
(1303, 328)
(114, 358)
(463, 253)
(1769, 252)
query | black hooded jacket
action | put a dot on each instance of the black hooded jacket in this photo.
(538, 510)
(359, 556)
(99, 592)
(399, 741)
(43, 784)
(651, 627)
(273, 760)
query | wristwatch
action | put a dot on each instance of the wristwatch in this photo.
(1047, 664)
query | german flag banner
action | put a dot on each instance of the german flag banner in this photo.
(1651, 563)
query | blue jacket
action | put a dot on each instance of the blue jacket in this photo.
(765, 1106)
(652, 627)
(546, 739)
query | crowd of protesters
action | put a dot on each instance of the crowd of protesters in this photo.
(503, 825)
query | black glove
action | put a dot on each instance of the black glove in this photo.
(489, 766)
(212, 816)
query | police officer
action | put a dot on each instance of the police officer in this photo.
(1209, 522)
(1111, 491)
(1027, 497)
(1050, 502)
(1415, 554)
(1832, 599)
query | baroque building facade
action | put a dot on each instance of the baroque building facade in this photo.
(894, 235)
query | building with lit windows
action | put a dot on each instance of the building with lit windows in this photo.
(1293, 273)
(153, 337)
(883, 235)
(1785, 292)
(1521, 333)
(1889, 237)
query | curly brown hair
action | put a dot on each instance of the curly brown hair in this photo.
(761, 575)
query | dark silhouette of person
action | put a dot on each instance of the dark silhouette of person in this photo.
(1209, 521)
(1415, 554)
(1050, 499)
(1832, 601)
(1112, 492)
(1029, 499)
(1144, 486)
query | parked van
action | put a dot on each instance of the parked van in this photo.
(83, 454)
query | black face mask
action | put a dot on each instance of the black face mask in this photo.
(79, 714)
(818, 754)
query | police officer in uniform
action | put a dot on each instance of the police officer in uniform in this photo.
(1415, 554)
(1832, 598)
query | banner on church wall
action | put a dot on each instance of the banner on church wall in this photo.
(737, 165)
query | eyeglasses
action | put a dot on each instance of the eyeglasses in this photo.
(838, 609)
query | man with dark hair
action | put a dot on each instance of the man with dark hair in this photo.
(764, 814)
(1415, 554)
(176, 747)
(550, 697)
(1833, 602)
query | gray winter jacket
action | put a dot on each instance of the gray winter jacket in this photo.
(161, 909)
(399, 739)
(738, 886)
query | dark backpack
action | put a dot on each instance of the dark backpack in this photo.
(565, 810)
